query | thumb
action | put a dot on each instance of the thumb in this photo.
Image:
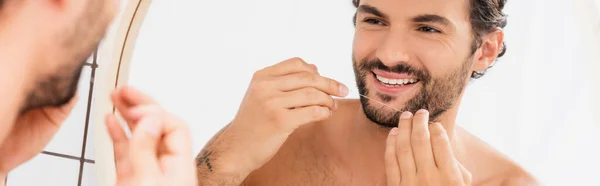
(144, 149)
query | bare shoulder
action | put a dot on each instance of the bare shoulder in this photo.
(494, 168)
(519, 177)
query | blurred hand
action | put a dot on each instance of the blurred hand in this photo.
(159, 149)
(419, 153)
(31, 132)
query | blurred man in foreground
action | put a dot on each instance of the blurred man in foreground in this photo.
(43, 47)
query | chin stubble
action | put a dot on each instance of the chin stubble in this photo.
(436, 94)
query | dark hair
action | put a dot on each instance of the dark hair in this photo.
(485, 16)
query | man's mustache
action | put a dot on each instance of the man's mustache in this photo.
(401, 68)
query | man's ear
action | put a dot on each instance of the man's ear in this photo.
(491, 46)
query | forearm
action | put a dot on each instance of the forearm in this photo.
(211, 172)
(213, 168)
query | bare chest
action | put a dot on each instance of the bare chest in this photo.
(302, 173)
(302, 166)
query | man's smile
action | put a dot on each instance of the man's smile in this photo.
(393, 83)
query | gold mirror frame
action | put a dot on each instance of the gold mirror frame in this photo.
(115, 56)
(587, 15)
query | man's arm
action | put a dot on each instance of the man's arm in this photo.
(264, 120)
(209, 165)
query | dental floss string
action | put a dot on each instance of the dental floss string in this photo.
(379, 102)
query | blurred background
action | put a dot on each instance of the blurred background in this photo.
(539, 105)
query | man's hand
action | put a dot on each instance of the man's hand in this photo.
(159, 150)
(418, 153)
(31, 132)
(280, 99)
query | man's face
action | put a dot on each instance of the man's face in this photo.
(67, 54)
(411, 55)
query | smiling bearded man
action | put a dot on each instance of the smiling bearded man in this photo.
(413, 60)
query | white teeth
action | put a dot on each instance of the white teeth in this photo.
(384, 80)
(395, 81)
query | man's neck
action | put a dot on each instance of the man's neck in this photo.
(368, 139)
(366, 128)
(17, 57)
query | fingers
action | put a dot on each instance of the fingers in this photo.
(117, 134)
(419, 147)
(421, 143)
(136, 113)
(125, 98)
(442, 150)
(306, 97)
(120, 146)
(391, 162)
(466, 175)
(134, 96)
(403, 147)
(172, 143)
(144, 146)
(177, 138)
(123, 108)
(290, 66)
(310, 114)
(304, 79)
(178, 162)
(159, 142)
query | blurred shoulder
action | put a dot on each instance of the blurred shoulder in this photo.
(519, 177)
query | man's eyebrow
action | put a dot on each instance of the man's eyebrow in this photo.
(431, 18)
(371, 10)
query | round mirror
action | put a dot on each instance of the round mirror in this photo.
(538, 103)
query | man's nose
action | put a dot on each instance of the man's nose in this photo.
(394, 49)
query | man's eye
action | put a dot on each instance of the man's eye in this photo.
(373, 21)
(428, 29)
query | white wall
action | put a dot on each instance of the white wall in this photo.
(535, 105)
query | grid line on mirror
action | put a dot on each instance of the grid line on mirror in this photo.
(59, 155)
(87, 116)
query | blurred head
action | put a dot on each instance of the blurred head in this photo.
(65, 33)
(414, 54)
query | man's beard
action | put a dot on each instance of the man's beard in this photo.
(56, 90)
(76, 43)
(436, 95)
